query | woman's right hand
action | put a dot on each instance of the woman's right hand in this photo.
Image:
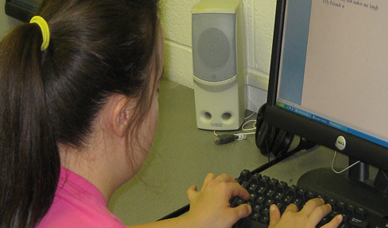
(310, 215)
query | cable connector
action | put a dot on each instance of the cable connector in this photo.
(241, 136)
(224, 139)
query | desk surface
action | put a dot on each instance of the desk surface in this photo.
(182, 155)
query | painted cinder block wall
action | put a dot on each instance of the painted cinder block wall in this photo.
(258, 19)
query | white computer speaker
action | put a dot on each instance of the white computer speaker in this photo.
(219, 64)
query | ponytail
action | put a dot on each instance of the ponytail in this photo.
(29, 157)
(51, 97)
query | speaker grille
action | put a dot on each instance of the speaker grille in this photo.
(214, 46)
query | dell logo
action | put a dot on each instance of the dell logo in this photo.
(340, 143)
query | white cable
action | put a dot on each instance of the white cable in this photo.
(339, 172)
(250, 115)
(249, 129)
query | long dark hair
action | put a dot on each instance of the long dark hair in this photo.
(97, 48)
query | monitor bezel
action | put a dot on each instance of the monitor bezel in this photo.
(356, 148)
(22, 11)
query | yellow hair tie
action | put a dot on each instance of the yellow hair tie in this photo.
(45, 30)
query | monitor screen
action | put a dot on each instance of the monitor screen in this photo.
(329, 77)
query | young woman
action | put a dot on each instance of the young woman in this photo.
(79, 109)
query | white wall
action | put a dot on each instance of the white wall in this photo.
(259, 19)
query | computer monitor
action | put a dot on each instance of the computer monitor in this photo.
(329, 84)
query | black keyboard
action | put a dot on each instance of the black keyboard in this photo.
(266, 191)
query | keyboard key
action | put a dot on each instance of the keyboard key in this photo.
(282, 187)
(323, 221)
(281, 207)
(245, 184)
(333, 214)
(269, 202)
(270, 194)
(292, 191)
(360, 213)
(298, 202)
(278, 197)
(332, 202)
(321, 196)
(264, 181)
(256, 207)
(301, 194)
(255, 215)
(265, 220)
(261, 190)
(253, 196)
(244, 176)
(341, 207)
(256, 178)
(350, 209)
(239, 201)
(357, 223)
(265, 213)
(310, 195)
(252, 188)
(273, 184)
(260, 200)
(288, 200)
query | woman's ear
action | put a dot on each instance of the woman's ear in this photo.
(123, 107)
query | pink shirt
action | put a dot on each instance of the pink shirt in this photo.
(78, 203)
